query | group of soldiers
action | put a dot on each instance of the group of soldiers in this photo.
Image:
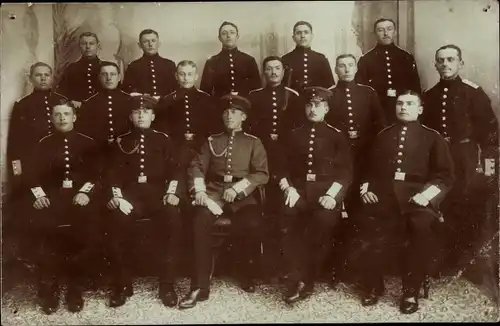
(100, 154)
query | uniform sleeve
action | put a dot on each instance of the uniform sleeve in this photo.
(344, 168)
(259, 172)
(92, 165)
(163, 111)
(413, 76)
(176, 181)
(485, 124)
(38, 173)
(15, 134)
(114, 172)
(171, 81)
(65, 84)
(370, 172)
(362, 76)
(378, 121)
(284, 161)
(207, 82)
(327, 79)
(128, 80)
(254, 80)
(198, 168)
(442, 173)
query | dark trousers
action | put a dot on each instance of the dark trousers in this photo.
(307, 234)
(165, 231)
(245, 226)
(63, 237)
(384, 231)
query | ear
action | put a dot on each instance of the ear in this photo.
(99, 46)
(74, 117)
(139, 45)
(153, 116)
(243, 117)
(130, 117)
(220, 39)
(196, 76)
(420, 110)
(461, 64)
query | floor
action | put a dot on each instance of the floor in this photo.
(451, 300)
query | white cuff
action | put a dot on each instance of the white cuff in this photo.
(241, 185)
(172, 187)
(489, 166)
(38, 192)
(87, 187)
(284, 184)
(363, 189)
(431, 192)
(334, 190)
(117, 192)
(199, 185)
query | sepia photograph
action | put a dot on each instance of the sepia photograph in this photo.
(250, 162)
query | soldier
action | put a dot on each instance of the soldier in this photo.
(461, 111)
(187, 114)
(104, 115)
(277, 109)
(388, 68)
(151, 74)
(307, 67)
(80, 79)
(315, 175)
(143, 178)
(63, 218)
(223, 177)
(410, 173)
(230, 71)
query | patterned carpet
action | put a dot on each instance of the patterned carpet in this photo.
(451, 300)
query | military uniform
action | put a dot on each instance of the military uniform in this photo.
(406, 159)
(389, 70)
(151, 75)
(230, 71)
(318, 163)
(63, 233)
(461, 111)
(309, 68)
(80, 79)
(227, 160)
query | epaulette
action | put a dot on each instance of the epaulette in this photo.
(91, 97)
(255, 90)
(120, 137)
(125, 93)
(298, 128)
(331, 87)
(292, 90)
(337, 130)
(373, 48)
(428, 128)
(471, 84)
(404, 50)
(85, 136)
(363, 85)
(159, 132)
(211, 137)
(386, 128)
(252, 136)
(44, 137)
(172, 93)
(22, 98)
(203, 92)
(54, 92)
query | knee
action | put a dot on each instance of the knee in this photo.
(325, 220)
(421, 223)
(202, 218)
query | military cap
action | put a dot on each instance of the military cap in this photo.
(143, 102)
(235, 101)
(317, 94)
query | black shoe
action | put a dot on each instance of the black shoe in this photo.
(248, 285)
(74, 299)
(297, 292)
(372, 296)
(49, 298)
(129, 289)
(408, 304)
(118, 296)
(167, 295)
(334, 278)
(193, 297)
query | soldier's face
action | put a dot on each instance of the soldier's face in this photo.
(385, 32)
(448, 64)
(41, 78)
(316, 110)
(233, 118)
(408, 108)
(142, 118)
(63, 118)
(149, 43)
(303, 36)
(228, 36)
(89, 46)
(109, 77)
(274, 72)
(346, 69)
(186, 76)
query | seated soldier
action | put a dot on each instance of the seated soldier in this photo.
(315, 174)
(411, 171)
(61, 224)
(144, 182)
(223, 177)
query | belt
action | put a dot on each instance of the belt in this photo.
(463, 141)
(224, 178)
(311, 177)
(401, 176)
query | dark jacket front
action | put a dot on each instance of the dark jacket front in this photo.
(309, 68)
(80, 80)
(230, 71)
(406, 159)
(151, 75)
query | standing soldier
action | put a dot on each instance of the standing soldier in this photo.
(357, 112)
(307, 67)
(410, 173)
(143, 178)
(80, 79)
(63, 218)
(461, 111)
(151, 74)
(230, 71)
(388, 68)
(277, 109)
(223, 177)
(315, 175)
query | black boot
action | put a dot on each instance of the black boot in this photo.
(298, 291)
(118, 296)
(248, 284)
(409, 301)
(74, 299)
(373, 293)
(167, 294)
(48, 293)
(190, 300)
